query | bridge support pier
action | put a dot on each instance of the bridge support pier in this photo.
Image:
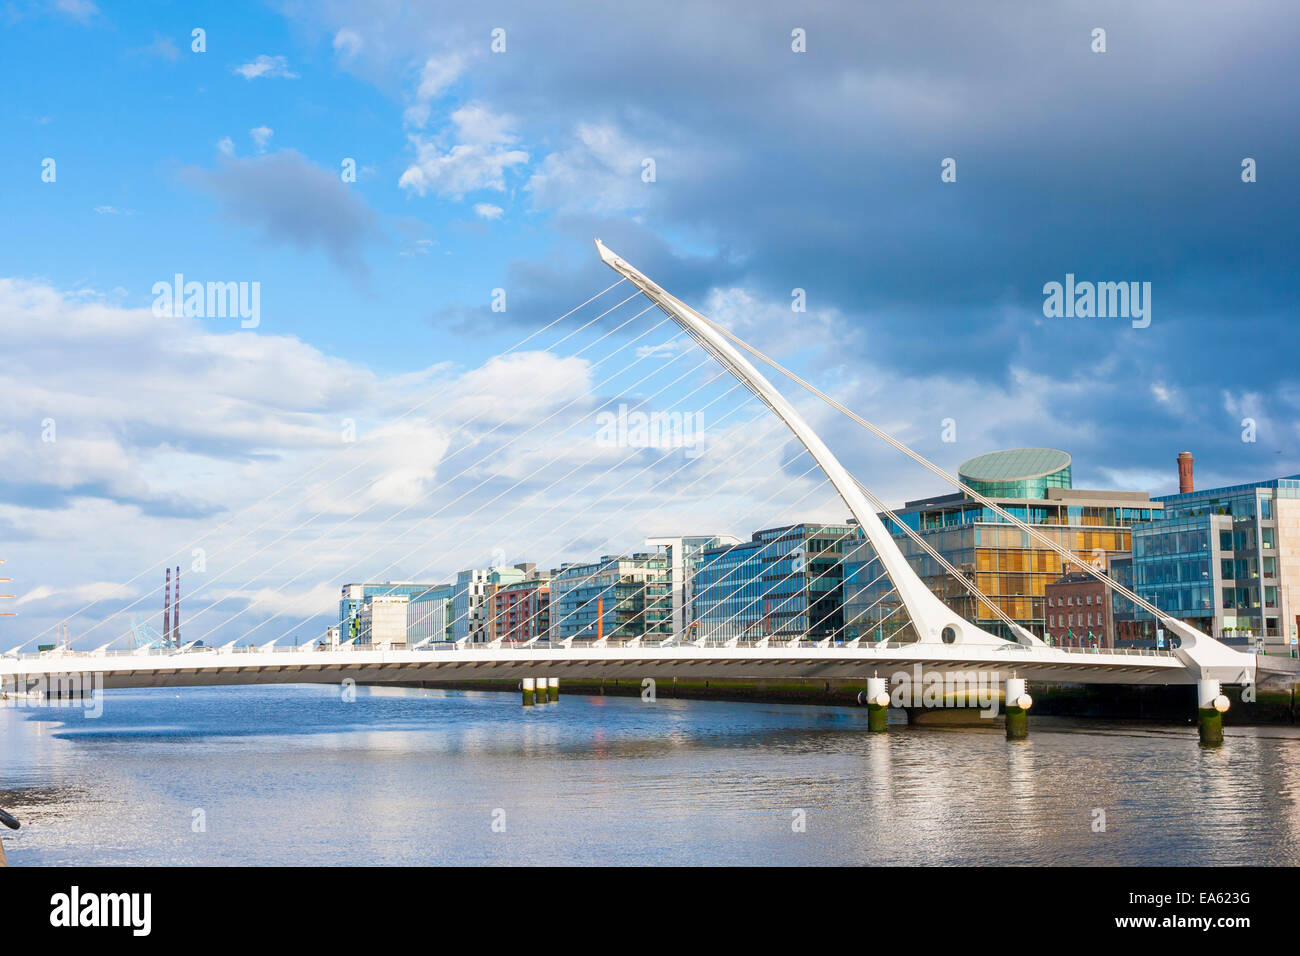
(1211, 703)
(530, 693)
(1017, 707)
(877, 699)
(552, 689)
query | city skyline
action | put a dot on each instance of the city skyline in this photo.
(483, 162)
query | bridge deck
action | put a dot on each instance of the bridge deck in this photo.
(207, 667)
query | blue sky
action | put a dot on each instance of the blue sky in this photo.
(479, 170)
(134, 120)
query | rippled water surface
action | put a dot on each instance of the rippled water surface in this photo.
(295, 775)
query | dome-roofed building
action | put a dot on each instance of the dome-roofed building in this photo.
(1017, 472)
(1034, 485)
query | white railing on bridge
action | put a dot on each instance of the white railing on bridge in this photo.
(772, 644)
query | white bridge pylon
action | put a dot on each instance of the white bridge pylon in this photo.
(934, 622)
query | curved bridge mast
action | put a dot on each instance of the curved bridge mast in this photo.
(934, 621)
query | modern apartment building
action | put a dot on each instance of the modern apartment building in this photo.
(469, 600)
(683, 556)
(519, 611)
(784, 582)
(429, 615)
(381, 622)
(355, 595)
(618, 597)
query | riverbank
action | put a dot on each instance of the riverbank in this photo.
(1108, 701)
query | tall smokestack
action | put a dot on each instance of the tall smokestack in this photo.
(167, 610)
(176, 610)
(1185, 483)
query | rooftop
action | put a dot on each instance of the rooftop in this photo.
(1014, 464)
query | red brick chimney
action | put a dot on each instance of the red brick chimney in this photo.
(1185, 472)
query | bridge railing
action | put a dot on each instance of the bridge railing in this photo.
(547, 646)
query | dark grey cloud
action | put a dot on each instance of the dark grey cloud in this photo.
(291, 200)
(539, 290)
(821, 170)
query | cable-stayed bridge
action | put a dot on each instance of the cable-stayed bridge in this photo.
(921, 630)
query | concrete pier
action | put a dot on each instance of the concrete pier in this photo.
(1017, 707)
(530, 692)
(1211, 704)
(877, 705)
(552, 689)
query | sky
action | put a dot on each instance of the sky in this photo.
(382, 420)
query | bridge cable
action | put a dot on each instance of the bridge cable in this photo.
(294, 481)
(956, 482)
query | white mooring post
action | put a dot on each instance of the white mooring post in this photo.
(530, 693)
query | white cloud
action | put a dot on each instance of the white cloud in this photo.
(299, 601)
(95, 591)
(481, 154)
(600, 172)
(226, 146)
(347, 43)
(437, 75)
(419, 247)
(212, 420)
(1165, 394)
(485, 210)
(261, 136)
(266, 66)
(163, 47)
(82, 10)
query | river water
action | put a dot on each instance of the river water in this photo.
(298, 775)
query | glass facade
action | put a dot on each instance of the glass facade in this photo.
(1017, 472)
(1217, 560)
(617, 597)
(354, 596)
(1172, 567)
(429, 615)
(784, 582)
(1002, 561)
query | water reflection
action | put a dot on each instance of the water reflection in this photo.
(296, 775)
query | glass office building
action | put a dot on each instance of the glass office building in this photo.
(617, 598)
(429, 616)
(784, 583)
(1001, 560)
(354, 596)
(683, 556)
(1017, 472)
(1227, 561)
